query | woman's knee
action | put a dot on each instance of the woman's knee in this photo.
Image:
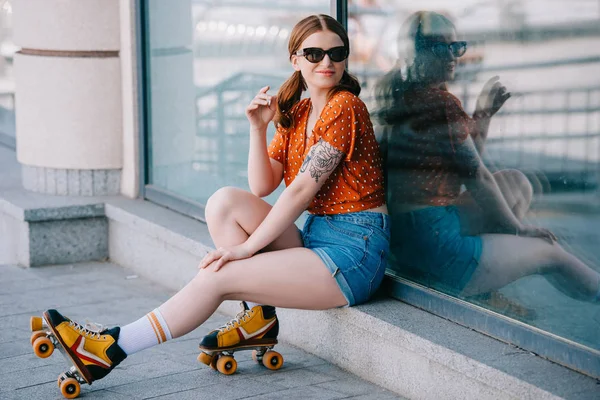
(515, 180)
(223, 201)
(555, 259)
(513, 183)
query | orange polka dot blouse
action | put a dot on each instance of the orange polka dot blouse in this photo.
(422, 162)
(357, 182)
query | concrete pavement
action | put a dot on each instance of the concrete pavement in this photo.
(111, 295)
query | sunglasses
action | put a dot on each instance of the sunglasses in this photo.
(315, 54)
(457, 49)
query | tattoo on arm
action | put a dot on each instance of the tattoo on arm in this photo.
(322, 159)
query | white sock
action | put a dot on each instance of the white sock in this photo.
(147, 331)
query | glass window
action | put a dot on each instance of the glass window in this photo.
(207, 60)
(489, 116)
(7, 84)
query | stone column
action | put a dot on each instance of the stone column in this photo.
(68, 96)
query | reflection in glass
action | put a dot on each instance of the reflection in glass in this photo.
(207, 60)
(488, 152)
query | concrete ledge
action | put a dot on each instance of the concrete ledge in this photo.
(40, 229)
(397, 346)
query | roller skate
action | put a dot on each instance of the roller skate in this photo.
(92, 351)
(253, 329)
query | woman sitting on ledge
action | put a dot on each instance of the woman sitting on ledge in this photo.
(472, 242)
(326, 153)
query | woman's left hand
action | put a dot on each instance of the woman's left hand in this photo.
(492, 98)
(537, 232)
(222, 255)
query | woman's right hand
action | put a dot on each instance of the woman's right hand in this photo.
(537, 232)
(261, 110)
(491, 99)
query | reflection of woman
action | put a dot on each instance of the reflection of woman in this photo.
(326, 153)
(471, 242)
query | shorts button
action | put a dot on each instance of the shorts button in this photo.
(365, 237)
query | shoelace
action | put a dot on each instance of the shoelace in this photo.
(90, 329)
(241, 317)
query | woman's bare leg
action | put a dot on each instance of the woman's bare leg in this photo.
(506, 258)
(285, 274)
(233, 214)
(291, 278)
(517, 191)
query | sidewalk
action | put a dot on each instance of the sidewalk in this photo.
(111, 295)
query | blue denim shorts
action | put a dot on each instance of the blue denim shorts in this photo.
(354, 247)
(429, 242)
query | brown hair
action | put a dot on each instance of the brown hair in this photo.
(290, 92)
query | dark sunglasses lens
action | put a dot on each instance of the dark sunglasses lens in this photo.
(440, 49)
(338, 54)
(458, 48)
(314, 55)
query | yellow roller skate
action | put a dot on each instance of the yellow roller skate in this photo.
(92, 352)
(253, 329)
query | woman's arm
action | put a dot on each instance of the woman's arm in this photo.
(318, 165)
(264, 173)
(482, 125)
(321, 161)
(490, 100)
(484, 188)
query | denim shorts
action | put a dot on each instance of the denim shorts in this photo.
(429, 243)
(354, 247)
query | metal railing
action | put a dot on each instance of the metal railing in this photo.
(521, 135)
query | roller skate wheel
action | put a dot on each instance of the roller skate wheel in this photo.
(36, 335)
(43, 347)
(213, 363)
(70, 388)
(61, 378)
(272, 360)
(256, 356)
(36, 324)
(226, 365)
(205, 358)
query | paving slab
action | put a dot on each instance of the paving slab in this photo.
(112, 295)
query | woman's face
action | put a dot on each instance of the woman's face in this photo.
(326, 73)
(439, 65)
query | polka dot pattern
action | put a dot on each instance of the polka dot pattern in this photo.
(357, 183)
(425, 168)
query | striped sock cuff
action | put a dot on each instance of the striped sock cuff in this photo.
(159, 325)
